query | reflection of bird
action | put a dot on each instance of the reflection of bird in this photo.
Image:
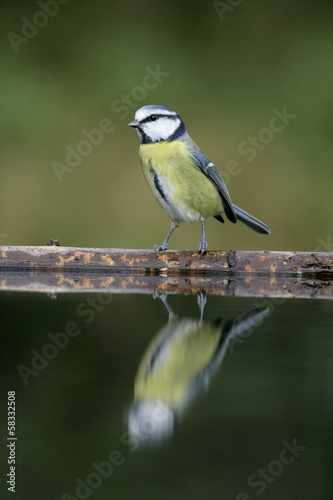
(184, 182)
(177, 365)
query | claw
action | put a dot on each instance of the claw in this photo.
(201, 299)
(159, 248)
(203, 242)
(203, 245)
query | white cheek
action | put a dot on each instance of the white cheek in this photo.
(162, 129)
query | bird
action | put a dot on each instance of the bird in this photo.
(178, 366)
(185, 183)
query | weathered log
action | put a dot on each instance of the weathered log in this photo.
(68, 259)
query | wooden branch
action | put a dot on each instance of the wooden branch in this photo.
(56, 258)
(54, 269)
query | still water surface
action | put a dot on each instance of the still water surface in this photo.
(124, 396)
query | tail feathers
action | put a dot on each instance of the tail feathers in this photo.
(251, 221)
(237, 326)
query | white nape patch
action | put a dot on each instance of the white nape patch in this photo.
(146, 111)
(161, 129)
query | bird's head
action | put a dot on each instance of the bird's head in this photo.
(156, 123)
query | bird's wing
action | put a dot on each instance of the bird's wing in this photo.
(209, 169)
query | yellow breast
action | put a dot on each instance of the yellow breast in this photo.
(188, 350)
(178, 184)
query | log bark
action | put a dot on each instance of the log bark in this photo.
(56, 258)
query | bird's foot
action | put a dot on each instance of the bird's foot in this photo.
(203, 245)
(159, 248)
(201, 299)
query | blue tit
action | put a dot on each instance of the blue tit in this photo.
(185, 183)
(178, 365)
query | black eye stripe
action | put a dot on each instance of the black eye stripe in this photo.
(148, 119)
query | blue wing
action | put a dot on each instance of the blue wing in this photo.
(209, 169)
(233, 212)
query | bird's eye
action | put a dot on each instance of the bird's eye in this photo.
(153, 118)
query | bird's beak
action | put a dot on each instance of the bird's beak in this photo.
(134, 124)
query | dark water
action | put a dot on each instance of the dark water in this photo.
(239, 406)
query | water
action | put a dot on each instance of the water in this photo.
(237, 407)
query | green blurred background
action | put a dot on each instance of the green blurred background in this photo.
(225, 76)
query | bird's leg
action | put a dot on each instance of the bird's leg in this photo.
(164, 245)
(164, 299)
(203, 242)
(201, 299)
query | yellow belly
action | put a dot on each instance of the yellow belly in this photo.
(188, 348)
(179, 186)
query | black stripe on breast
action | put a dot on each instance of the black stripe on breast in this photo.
(157, 183)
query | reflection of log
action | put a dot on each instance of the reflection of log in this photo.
(238, 286)
(56, 269)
